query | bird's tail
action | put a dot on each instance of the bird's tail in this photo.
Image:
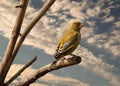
(56, 56)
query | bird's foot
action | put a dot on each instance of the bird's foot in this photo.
(62, 60)
(52, 67)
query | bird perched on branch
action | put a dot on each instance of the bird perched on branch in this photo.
(69, 42)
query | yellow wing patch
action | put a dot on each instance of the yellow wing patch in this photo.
(65, 38)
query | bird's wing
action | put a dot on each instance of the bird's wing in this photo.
(66, 43)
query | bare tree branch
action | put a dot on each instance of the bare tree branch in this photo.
(12, 49)
(6, 62)
(46, 69)
(21, 70)
(41, 12)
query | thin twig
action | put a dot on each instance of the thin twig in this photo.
(21, 70)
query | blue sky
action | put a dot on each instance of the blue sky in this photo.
(99, 47)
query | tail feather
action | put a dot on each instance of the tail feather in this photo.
(58, 55)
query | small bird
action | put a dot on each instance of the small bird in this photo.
(69, 42)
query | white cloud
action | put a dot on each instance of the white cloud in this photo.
(98, 66)
(113, 43)
(8, 14)
(117, 24)
(64, 80)
(106, 8)
(115, 80)
(97, 40)
(94, 11)
(91, 40)
(109, 19)
(110, 43)
(45, 34)
(72, 9)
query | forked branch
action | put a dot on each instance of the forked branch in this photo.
(46, 69)
(20, 71)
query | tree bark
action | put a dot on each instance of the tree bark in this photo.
(46, 69)
(13, 49)
(6, 62)
(41, 12)
(21, 70)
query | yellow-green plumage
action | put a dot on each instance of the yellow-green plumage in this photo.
(67, 37)
(69, 41)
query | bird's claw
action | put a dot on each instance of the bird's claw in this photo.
(52, 67)
(62, 60)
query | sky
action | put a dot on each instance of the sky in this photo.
(99, 47)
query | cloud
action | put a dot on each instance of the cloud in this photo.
(98, 66)
(48, 78)
(109, 19)
(7, 16)
(115, 80)
(117, 24)
(110, 43)
(64, 80)
(93, 12)
(46, 34)
(113, 43)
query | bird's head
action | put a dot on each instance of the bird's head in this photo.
(76, 25)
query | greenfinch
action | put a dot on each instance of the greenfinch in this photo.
(69, 41)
